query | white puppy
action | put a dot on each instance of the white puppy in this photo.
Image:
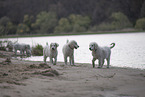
(68, 51)
(51, 52)
(100, 53)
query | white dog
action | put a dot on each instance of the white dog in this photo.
(22, 48)
(100, 53)
(68, 51)
(51, 52)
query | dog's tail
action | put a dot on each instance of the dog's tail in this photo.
(67, 41)
(112, 45)
(46, 43)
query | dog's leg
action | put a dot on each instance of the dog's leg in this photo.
(21, 53)
(108, 62)
(101, 62)
(45, 57)
(65, 60)
(15, 52)
(70, 60)
(51, 60)
(93, 62)
(73, 63)
(55, 60)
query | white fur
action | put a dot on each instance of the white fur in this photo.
(51, 52)
(22, 48)
(68, 51)
(100, 53)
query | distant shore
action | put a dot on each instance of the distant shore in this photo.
(65, 34)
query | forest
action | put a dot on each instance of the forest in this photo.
(27, 17)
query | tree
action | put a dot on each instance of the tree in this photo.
(73, 23)
(11, 28)
(120, 21)
(6, 26)
(79, 23)
(22, 29)
(28, 20)
(140, 24)
(115, 22)
(63, 26)
(45, 22)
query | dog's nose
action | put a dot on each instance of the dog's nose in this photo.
(90, 49)
(78, 46)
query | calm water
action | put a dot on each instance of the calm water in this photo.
(128, 52)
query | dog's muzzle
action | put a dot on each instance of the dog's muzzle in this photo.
(76, 47)
(53, 48)
(90, 49)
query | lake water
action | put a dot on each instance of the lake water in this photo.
(128, 52)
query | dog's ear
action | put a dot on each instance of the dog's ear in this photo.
(70, 45)
(95, 46)
(46, 43)
(27, 47)
(56, 44)
(51, 45)
(67, 41)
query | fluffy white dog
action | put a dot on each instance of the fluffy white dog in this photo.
(100, 53)
(51, 52)
(68, 51)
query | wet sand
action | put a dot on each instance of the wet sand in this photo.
(34, 79)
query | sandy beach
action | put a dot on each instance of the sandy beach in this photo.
(20, 78)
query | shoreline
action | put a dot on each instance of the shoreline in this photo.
(65, 34)
(125, 67)
(104, 66)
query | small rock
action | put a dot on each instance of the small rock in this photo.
(5, 74)
(51, 71)
(8, 60)
(32, 66)
(48, 74)
(44, 65)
